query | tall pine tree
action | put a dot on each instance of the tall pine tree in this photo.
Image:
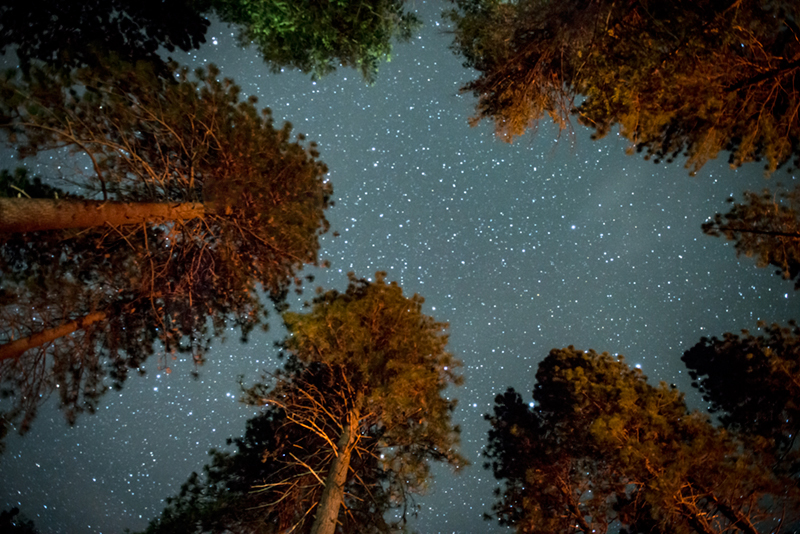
(203, 203)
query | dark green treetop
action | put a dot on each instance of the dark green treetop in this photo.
(316, 37)
(601, 449)
(676, 77)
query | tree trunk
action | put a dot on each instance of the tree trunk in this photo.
(772, 233)
(16, 348)
(333, 494)
(31, 215)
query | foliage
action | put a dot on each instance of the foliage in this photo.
(602, 449)
(12, 522)
(18, 184)
(193, 141)
(388, 363)
(49, 280)
(153, 140)
(235, 492)
(691, 77)
(68, 35)
(316, 37)
(46, 279)
(753, 382)
(766, 226)
(368, 350)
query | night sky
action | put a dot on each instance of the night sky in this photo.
(552, 241)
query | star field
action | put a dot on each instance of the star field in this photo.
(552, 241)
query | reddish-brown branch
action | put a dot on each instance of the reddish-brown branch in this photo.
(16, 348)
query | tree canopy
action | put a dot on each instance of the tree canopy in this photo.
(753, 383)
(600, 448)
(258, 200)
(69, 35)
(316, 37)
(358, 412)
(677, 77)
(765, 226)
(237, 490)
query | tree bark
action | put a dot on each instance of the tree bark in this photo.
(333, 494)
(16, 348)
(772, 233)
(31, 215)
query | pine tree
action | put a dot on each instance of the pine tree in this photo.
(270, 483)
(387, 365)
(316, 37)
(677, 77)
(256, 209)
(600, 448)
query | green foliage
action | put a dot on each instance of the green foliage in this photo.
(753, 382)
(316, 37)
(602, 449)
(677, 77)
(766, 226)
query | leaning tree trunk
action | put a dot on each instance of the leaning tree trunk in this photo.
(333, 494)
(16, 348)
(33, 214)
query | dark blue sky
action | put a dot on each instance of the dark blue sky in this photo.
(554, 240)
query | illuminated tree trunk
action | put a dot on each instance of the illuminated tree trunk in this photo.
(333, 494)
(31, 215)
(16, 348)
